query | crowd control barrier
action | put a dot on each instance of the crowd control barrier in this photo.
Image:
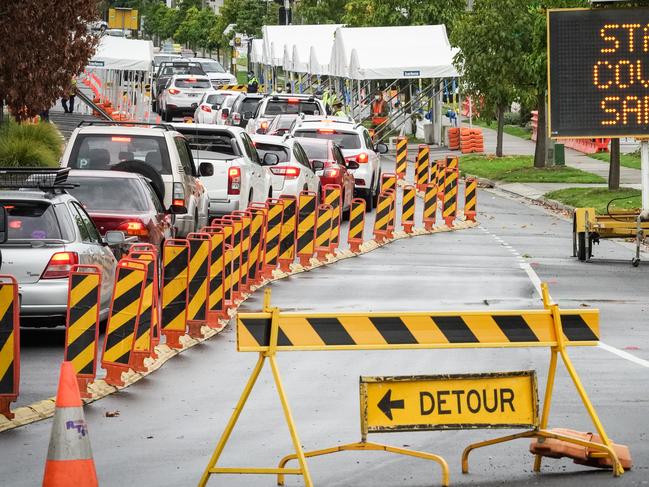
(197, 282)
(402, 157)
(422, 167)
(287, 234)
(307, 203)
(9, 344)
(175, 260)
(408, 208)
(356, 224)
(271, 331)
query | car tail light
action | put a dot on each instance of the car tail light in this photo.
(289, 172)
(206, 108)
(224, 115)
(326, 131)
(120, 139)
(360, 182)
(294, 100)
(362, 158)
(60, 265)
(134, 228)
(178, 198)
(234, 180)
(16, 224)
(331, 173)
(236, 117)
(173, 91)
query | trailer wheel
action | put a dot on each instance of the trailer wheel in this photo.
(581, 246)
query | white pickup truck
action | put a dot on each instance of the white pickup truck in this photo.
(240, 175)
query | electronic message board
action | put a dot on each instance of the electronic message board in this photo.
(598, 70)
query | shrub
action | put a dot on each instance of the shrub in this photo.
(24, 145)
(512, 118)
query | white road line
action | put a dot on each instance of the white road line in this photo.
(534, 277)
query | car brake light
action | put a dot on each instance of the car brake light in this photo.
(234, 180)
(16, 224)
(173, 91)
(236, 117)
(362, 158)
(134, 228)
(224, 115)
(289, 172)
(205, 108)
(326, 131)
(193, 80)
(331, 173)
(294, 100)
(120, 139)
(60, 265)
(178, 198)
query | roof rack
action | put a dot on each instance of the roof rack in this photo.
(40, 178)
(164, 126)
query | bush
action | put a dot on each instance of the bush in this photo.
(512, 118)
(25, 145)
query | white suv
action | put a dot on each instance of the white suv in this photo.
(182, 95)
(157, 152)
(356, 145)
(240, 174)
(274, 105)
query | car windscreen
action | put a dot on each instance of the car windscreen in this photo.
(31, 220)
(171, 70)
(103, 151)
(216, 99)
(345, 140)
(193, 83)
(221, 143)
(278, 107)
(212, 67)
(158, 60)
(315, 150)
(281, 151)
(110, 194)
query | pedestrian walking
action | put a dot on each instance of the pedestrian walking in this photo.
(69, 97)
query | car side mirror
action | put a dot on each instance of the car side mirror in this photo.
(352, 165)
(225, 112)
(318, 165)
(206, 169)
(270, 159)
(114, 237)
(247, 115)
(176, 210)
(381, 148)
(216, 106)
(3, 224)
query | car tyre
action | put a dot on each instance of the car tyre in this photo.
(167, 116)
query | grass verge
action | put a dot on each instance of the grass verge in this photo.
(520, 169)
(515, 130)
(626, 160)
(597, 198)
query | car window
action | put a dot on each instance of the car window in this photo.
(316, 150)
(301, 157)
(109, 194)
(281, 151)
(291, 105)
(184, 155)
(31, 220)
(102, 151)
(338, 156)
(212, 67)
(249, 147)
(215, 99)
(84, 224)
(368, 140)
(345, 140)
(193, 83)
(249, 105)
(157, 204)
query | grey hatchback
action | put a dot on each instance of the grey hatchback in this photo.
(49, 232)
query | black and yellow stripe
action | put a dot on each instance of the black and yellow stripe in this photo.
(402, 157)
(382, 216)
(198, 279)
(441, 175)
(175, 259)
(333, 198)
(246, 220)
(323, 230)
(470, 198)
(306, 224)
(232, 87)
(82, 324)
(388, 181)
(227, 262)
(146, 324)
(216, 300)
(430, 204)
(9, 337)
(465, 329)
(408, 205)
(450, 196)
(274, 227)
(289, 227)
(237, 239)
(452, 162)
(422, 167)
(256, 243)
(124, 313)
(356, 221)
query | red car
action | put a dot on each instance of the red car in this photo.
(122, 201)
(336, 168)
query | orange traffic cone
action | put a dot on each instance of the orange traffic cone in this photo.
(69, 457)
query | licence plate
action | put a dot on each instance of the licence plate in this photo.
(192, 95)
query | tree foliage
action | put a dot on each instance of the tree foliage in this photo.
(320, 11)
(402, 12)
(46, 44)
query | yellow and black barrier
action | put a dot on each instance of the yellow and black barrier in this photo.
(272, 331)
(323, 231)
(422, 168)
(232, 87)
(237, 245)
(402, 157)
(143, 343)
(287, 234)
(392, 221)
(125, 309)
(175, 260)
(441, 176)
(408, 208)
(198, 282)
(216, 303)
(149, 248)
(388, 181)
(382, 217)
(430, 206)
(453, 162)
(307, 203)
(356, 224)
(246, 221)
(333, 198)
(228, 267)
(258, 240)
(273, 234)
(449, 211)
(470, 198)
(9, 344)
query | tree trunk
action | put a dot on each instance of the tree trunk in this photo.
(614, 166)
(2, 109)
(499, 134)
(541, 133)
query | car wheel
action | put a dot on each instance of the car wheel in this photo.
(377, 190)
(270, 192)
(167, 116)
(250, 197)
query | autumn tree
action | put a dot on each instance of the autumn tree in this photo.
(46, 44)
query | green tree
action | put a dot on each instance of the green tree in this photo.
(320, 11)
(402, 12)
(195, 28)
(248, 16)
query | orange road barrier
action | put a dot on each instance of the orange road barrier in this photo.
(393, 212)
(449, 211)
(287, 234)
(454, 138)
(430, 206)
(441, 176)
(382, 217)
(333, 198)
(228, 277)
(82, 323)
(9, 344)
(356, 224)
(69, 456)
(143, 344)
(323, 231)
(216, 303)
(273, 232)
(256, 228)
(237, 245)
(123, 319)
(408, 208)
(246, 221)
(402, 157)
(306, 226)
(422, 168)
(258, 238)
(452, 162)
(147, 247)
(470, 198)
(388, 181)
(198, 282)
(175, 260)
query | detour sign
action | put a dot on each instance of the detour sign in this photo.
(410, 403)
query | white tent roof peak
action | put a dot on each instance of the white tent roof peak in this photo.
(123, 54)
(297, 41)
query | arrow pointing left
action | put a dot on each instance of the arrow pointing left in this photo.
(386, 404)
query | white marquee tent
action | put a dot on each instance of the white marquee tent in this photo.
(290, 46)
(123, 54)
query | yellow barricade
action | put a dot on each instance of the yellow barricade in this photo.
(175, 259)
(287, 234)
(198, 282)
(306, 226)
(9, 344)
(273, 234)
(422, 167)
(402, 157)
(356, 224)
(449, 211)
(408, 208)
